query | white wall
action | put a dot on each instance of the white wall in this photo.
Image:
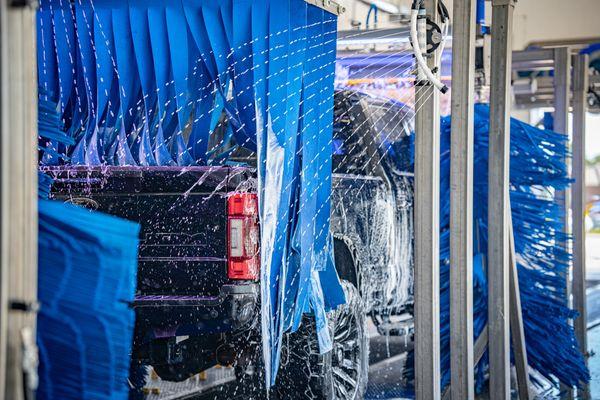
(539, 20)
(357, 10)
(535, 20)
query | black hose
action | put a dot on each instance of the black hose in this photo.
(417, 4)
(443, 11)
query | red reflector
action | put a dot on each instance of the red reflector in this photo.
(243, 236)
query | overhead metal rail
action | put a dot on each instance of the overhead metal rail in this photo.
(373, 36)
(542, 92)
(533, 60)
(543, 88)
(328, 5)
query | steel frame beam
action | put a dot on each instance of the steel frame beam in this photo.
(580, 87)
(18, 193)
(426, 222)
(517, 329)
(461, 201)
(539, 60)
(498, 200)
(562, 88)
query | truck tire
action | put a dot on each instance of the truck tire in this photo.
(340, 374)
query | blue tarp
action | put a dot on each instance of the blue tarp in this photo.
(143, 82)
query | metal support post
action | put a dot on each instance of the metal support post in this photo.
(580, 88)
(498, 200)
(562, 87)
(427, 266)
(461, 201)
(18, 198)
(517, 329)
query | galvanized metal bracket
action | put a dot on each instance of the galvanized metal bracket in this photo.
(503, 3)
(24, 306)
(434, 36)
(23, 3)
(328, 5)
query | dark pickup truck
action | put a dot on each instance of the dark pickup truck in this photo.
(197, 299)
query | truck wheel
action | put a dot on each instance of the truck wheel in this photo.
(340, 374)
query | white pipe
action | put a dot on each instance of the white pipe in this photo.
(414, 36)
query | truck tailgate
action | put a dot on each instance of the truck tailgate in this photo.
(182, 212)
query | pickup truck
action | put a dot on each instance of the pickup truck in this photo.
(197, 302)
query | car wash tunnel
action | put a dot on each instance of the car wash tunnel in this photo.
(299, 199)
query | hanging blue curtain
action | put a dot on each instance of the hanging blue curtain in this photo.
(294, 98)
(144, 82)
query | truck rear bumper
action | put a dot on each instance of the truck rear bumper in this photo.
(163, 316)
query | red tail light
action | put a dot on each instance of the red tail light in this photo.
(243, 236)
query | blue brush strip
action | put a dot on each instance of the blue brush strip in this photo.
(537, 169)
(87, 266)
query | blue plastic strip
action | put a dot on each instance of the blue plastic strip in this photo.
(143, 55)
(204, 107)
(242, 54)
(221, 51)
(323, 240)
(276, 196)
(84, 18)
(167, 106)
(179, 50)
(46, 55)
(65, 48)
(105, 74)
(129, 84)
(303, 224)
(260, 70)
